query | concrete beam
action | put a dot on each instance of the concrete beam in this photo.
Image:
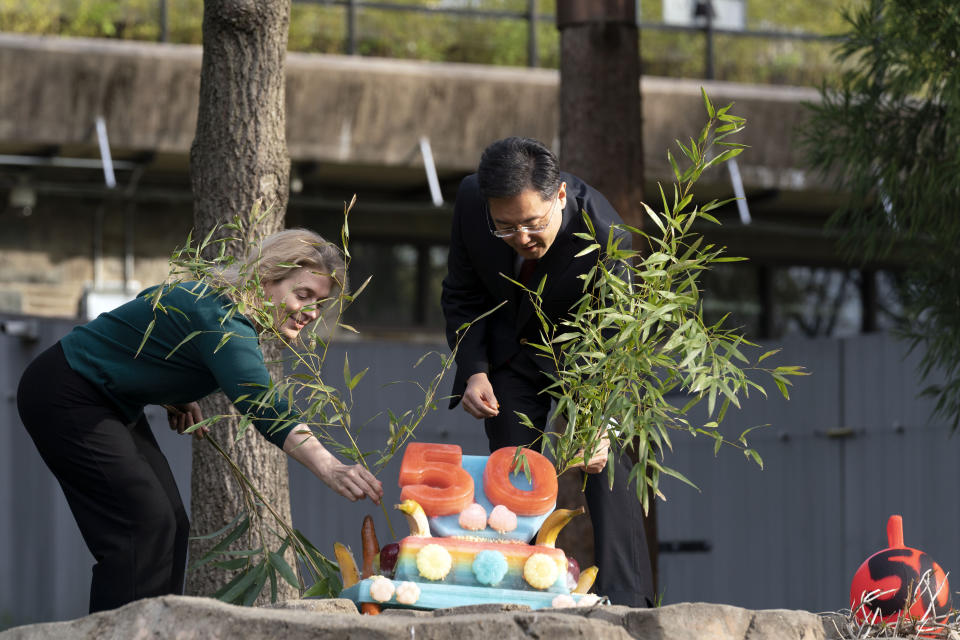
(364, 111)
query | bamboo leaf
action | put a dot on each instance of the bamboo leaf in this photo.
(234, 589)
(653, 216)
(360, 289)
(222, 530)
(223, 544)
(356, 379)
(767, 355)
(675, 167)
(232, 565)
(673, 473)
(750, 453)
(251, 595)
(782, 385)
(280, 564)
(223, 340)
(146, 335)
(711, 112)
(590, 249)
(189, 337)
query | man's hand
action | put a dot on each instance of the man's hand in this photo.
(478, 399)
(598, 460)
(181, 417)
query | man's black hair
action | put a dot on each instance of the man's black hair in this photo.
(513, 165)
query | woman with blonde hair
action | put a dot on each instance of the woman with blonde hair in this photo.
(82, 402)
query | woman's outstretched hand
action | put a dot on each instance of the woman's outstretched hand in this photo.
(353, 482)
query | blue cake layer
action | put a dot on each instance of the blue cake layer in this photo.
(442, 596)
(527, 526)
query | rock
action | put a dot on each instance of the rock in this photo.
(695, 621)
(407, 613)
(612, 614)
(317, 605)
(190, 618)
(481, 608)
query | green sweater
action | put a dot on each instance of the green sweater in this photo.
(104, 351)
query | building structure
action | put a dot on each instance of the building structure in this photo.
(356, 126)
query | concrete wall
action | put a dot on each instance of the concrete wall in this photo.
(47, 260)
(355, 120)
(852, 446)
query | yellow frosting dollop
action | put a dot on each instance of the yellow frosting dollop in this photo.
(540, 571)
(434, 562)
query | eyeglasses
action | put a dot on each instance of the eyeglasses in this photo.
(512, 231)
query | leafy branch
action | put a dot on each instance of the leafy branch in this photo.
(322, 410)
(636, 338)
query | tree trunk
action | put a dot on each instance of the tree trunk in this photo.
(601, 141)
(600, 117)
(239, 156)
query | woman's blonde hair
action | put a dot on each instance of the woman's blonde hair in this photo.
(272, 258)
(303, 248)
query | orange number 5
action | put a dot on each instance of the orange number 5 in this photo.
(432, 475)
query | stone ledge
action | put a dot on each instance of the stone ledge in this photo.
(188, 618)
(360, 110)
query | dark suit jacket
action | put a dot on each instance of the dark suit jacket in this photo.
(474, 283)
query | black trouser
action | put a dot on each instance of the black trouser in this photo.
(115, 478)
(620, 543)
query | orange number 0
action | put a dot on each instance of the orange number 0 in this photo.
(432, 475)
(499, 489)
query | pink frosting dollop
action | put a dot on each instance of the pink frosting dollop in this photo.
(502, 519)
(381, 588)
(473, 518)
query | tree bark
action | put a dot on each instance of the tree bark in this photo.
(239, 157)
(601, 141)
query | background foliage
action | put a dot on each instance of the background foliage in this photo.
(889, 128)
(319, 27)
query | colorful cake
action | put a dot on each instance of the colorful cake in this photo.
(471, 521)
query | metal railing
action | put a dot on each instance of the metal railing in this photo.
(532, 16)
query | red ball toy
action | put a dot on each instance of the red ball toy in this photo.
(902, 576)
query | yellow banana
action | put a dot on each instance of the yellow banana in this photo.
(348, 566)
(587, 577)
(550, 529)
(416, 518)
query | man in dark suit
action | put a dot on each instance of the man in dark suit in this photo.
(517, 217)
